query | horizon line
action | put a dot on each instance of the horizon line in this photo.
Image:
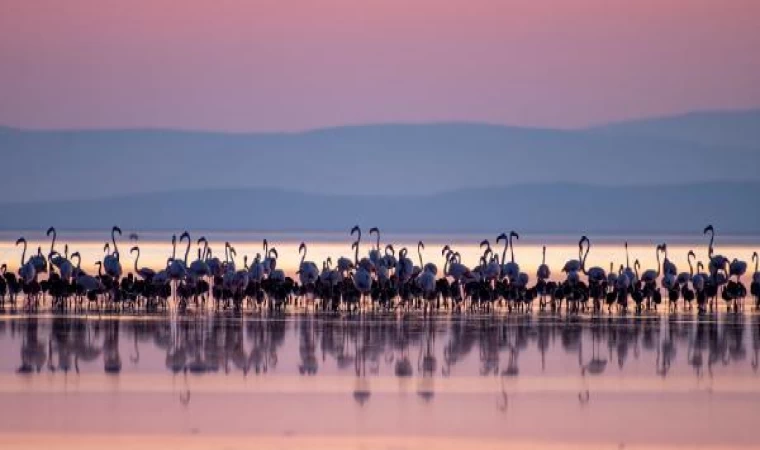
(312, 130)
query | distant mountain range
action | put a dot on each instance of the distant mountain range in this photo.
(538, 208)
(392, 160)
(720, 129)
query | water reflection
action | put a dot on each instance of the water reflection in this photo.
(367, 347)
(459, 376)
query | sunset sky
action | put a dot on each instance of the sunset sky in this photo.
(297, 64)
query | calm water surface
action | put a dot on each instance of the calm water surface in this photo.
(219, 380)
(379, 381)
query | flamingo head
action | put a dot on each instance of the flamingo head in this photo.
(116, 229)
(50, 230)
(20, 240)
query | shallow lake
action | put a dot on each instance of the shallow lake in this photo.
(221, 380)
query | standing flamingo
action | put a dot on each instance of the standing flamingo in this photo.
(145, 273)
(26, 270)
(755, 287)
(511, 269)
(374, 254)
(543, 272)
(111, 262)
(308, 272)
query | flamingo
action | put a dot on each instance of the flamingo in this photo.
(89, 283)
(26, 270)
(200, 267)
(55, 258)
(595, 274)
(214, 264)
(574, 265)
(737, 269)
(308, 272)
(755, 286)
(543, 272)
(717, 262)
(612, 276)
(257, 271)
(38, 261)
(374, 254)
(492, 269)
(668, 268)
(628, 272)
(3, 283)
(344, 264)
(684, 279)
(229, 257)
(111, 262)
(177, 268)
(429, 267)
(426, 282)
(65, 267)
(650, 276)
(52, 231)
(270, 262)
(404, 267)
(145, 273)
(389, 259)
(362, 276)
(511, 269)
(456, 269)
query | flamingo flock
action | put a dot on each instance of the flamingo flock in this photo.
(383, 279)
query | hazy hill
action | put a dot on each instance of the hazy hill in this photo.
(561, 208)
(715, 128)
(377, 159)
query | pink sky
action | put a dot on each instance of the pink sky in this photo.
(296, 64)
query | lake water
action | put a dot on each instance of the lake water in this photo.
(219, 380)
